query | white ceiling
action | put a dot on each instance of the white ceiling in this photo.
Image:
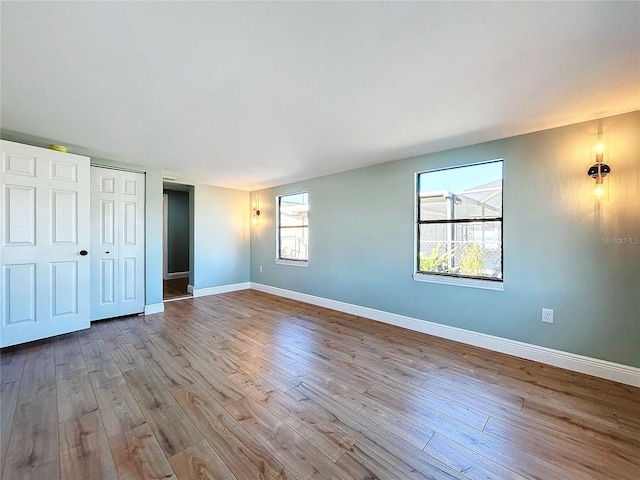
(249, 95)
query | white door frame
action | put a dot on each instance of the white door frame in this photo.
(166, 275)
(165, 236)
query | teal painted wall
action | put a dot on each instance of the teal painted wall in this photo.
(560, 250)
(177, 231)
(221, 231)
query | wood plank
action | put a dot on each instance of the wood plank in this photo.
(370, 360)
(171, 426)
(396, 421)
(87, 335)
(249, 330)
(127, 357)
(75, 397)
(139, 457)
(131, 331)
(33, 450)
(317, 431)
(71, 366)
(272, 374)
(66, 346)
(199, 462)
(12, 366)
(265, 352)
(185, 333)
(472, 438)
(575, 453)
(84, 449)
(252, 384)
(309, 365)
(497, 405)
(8, 401)
(95, 354)
(592, 389)
(297, 455)
(118, 407)
(203, 352)
(111, 333)
(162, 339)
(170, 373)
(222, 389)
(403, 456)
(630, 424)
(481, 384)
(420, 405)
(168, 343)
(75, 391)
(245, 457)
(613, 438)
(563, 405)
(467, 461)
(361, 463)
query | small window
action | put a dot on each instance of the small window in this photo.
(459, 222)
(293, 227)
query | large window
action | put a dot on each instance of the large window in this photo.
(293, 228)
(459, 222)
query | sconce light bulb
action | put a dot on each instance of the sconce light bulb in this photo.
(599, 191)
(254, 220)
(599, 147)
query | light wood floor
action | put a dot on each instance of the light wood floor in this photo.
(250, 386)
(175, 288)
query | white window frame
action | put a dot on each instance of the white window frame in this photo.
(288, 261)
(459, 281)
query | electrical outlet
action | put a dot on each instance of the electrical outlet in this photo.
(547, 315)
(260, 268)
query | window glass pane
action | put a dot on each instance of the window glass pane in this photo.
(293, 226)
(294, 243)
(468, 192)
(294, 210)
(467, 249)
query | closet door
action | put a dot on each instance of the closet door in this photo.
(117, 242)
(44, 243)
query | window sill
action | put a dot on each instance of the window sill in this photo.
(459, 282)
(292, 263)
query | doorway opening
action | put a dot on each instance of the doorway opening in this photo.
(177, 242)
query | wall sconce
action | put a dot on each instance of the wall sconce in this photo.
(599, 169)
(255, 215)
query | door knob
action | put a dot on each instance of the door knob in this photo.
(83, 252)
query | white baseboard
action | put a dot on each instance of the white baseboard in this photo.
(153, 308)
(190, 289)
(557, 358)
(202, 292)
(173, 275)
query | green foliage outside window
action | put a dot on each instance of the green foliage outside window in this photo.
(472, 261)
(434, 261)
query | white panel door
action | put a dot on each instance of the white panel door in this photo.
(44, 241)
(117, 242)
